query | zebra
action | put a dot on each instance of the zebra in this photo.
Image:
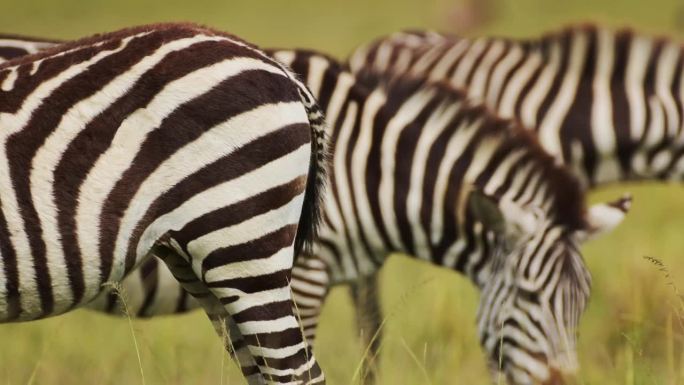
(510, 177)
(608, 103)
(169, 139)
(496, 208)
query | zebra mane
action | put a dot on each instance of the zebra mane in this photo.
(564, 187)
(105, 37)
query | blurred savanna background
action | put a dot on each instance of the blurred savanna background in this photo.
(632, 333)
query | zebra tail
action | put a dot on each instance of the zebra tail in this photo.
(309, 221)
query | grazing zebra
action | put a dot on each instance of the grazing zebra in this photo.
(419, 170)
(170, 139)
(607, 103)
(495, 209)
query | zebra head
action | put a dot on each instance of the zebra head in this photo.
(537, 287)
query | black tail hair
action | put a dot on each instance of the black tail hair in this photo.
(309, 221)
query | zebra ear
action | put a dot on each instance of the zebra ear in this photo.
(486, 210)
(602, 218)
(501, 216)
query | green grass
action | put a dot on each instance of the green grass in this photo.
(632, 333)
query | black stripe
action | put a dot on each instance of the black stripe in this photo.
(9, 259)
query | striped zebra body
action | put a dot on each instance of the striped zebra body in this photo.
(384, 199)
(418, 170)
(609, 103)
(172, 140)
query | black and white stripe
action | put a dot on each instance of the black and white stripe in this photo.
(168, 139)
(419, 170)
(610, 103)
(406, 156)
(14, 46)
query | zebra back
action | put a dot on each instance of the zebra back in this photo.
(18, 46)
(609, 103)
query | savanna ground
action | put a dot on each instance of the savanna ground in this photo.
(632, 333)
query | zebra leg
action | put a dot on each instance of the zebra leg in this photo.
(365, 295)
(220, 319)
(310, 284)
(260, 303)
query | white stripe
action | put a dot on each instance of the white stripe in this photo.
(441, 69)
(305, 287)
(254, 299)
(454, 150)
(308, 302)
(549, 130)
(382, 57)
(665, 67)
(535, 180)
(466, 64)
(452, 254)
(28, 46)
(10, 80)
(602, 128)
(476, 255)
(639, 54)
(501, 173)
(285, 57)
(517, 82)
(268, 326)
(343, 190)
(500, 74)
(477, 87)
(317, 68)
(520, 358)
(408, 111)
(519, 178)
(281, 352)
(426, 59)
(290, 372)
(403, 61)
(320, 277)
(250, 230)
(359, 162)
(540, 88)
(656, 128)
(357, 61)
(337, 101)
(433, 127)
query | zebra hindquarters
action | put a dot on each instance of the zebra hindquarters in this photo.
(241, 255)
(366, 297)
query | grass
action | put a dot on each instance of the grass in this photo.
(632, 333)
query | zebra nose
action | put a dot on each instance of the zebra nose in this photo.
(558, 377)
